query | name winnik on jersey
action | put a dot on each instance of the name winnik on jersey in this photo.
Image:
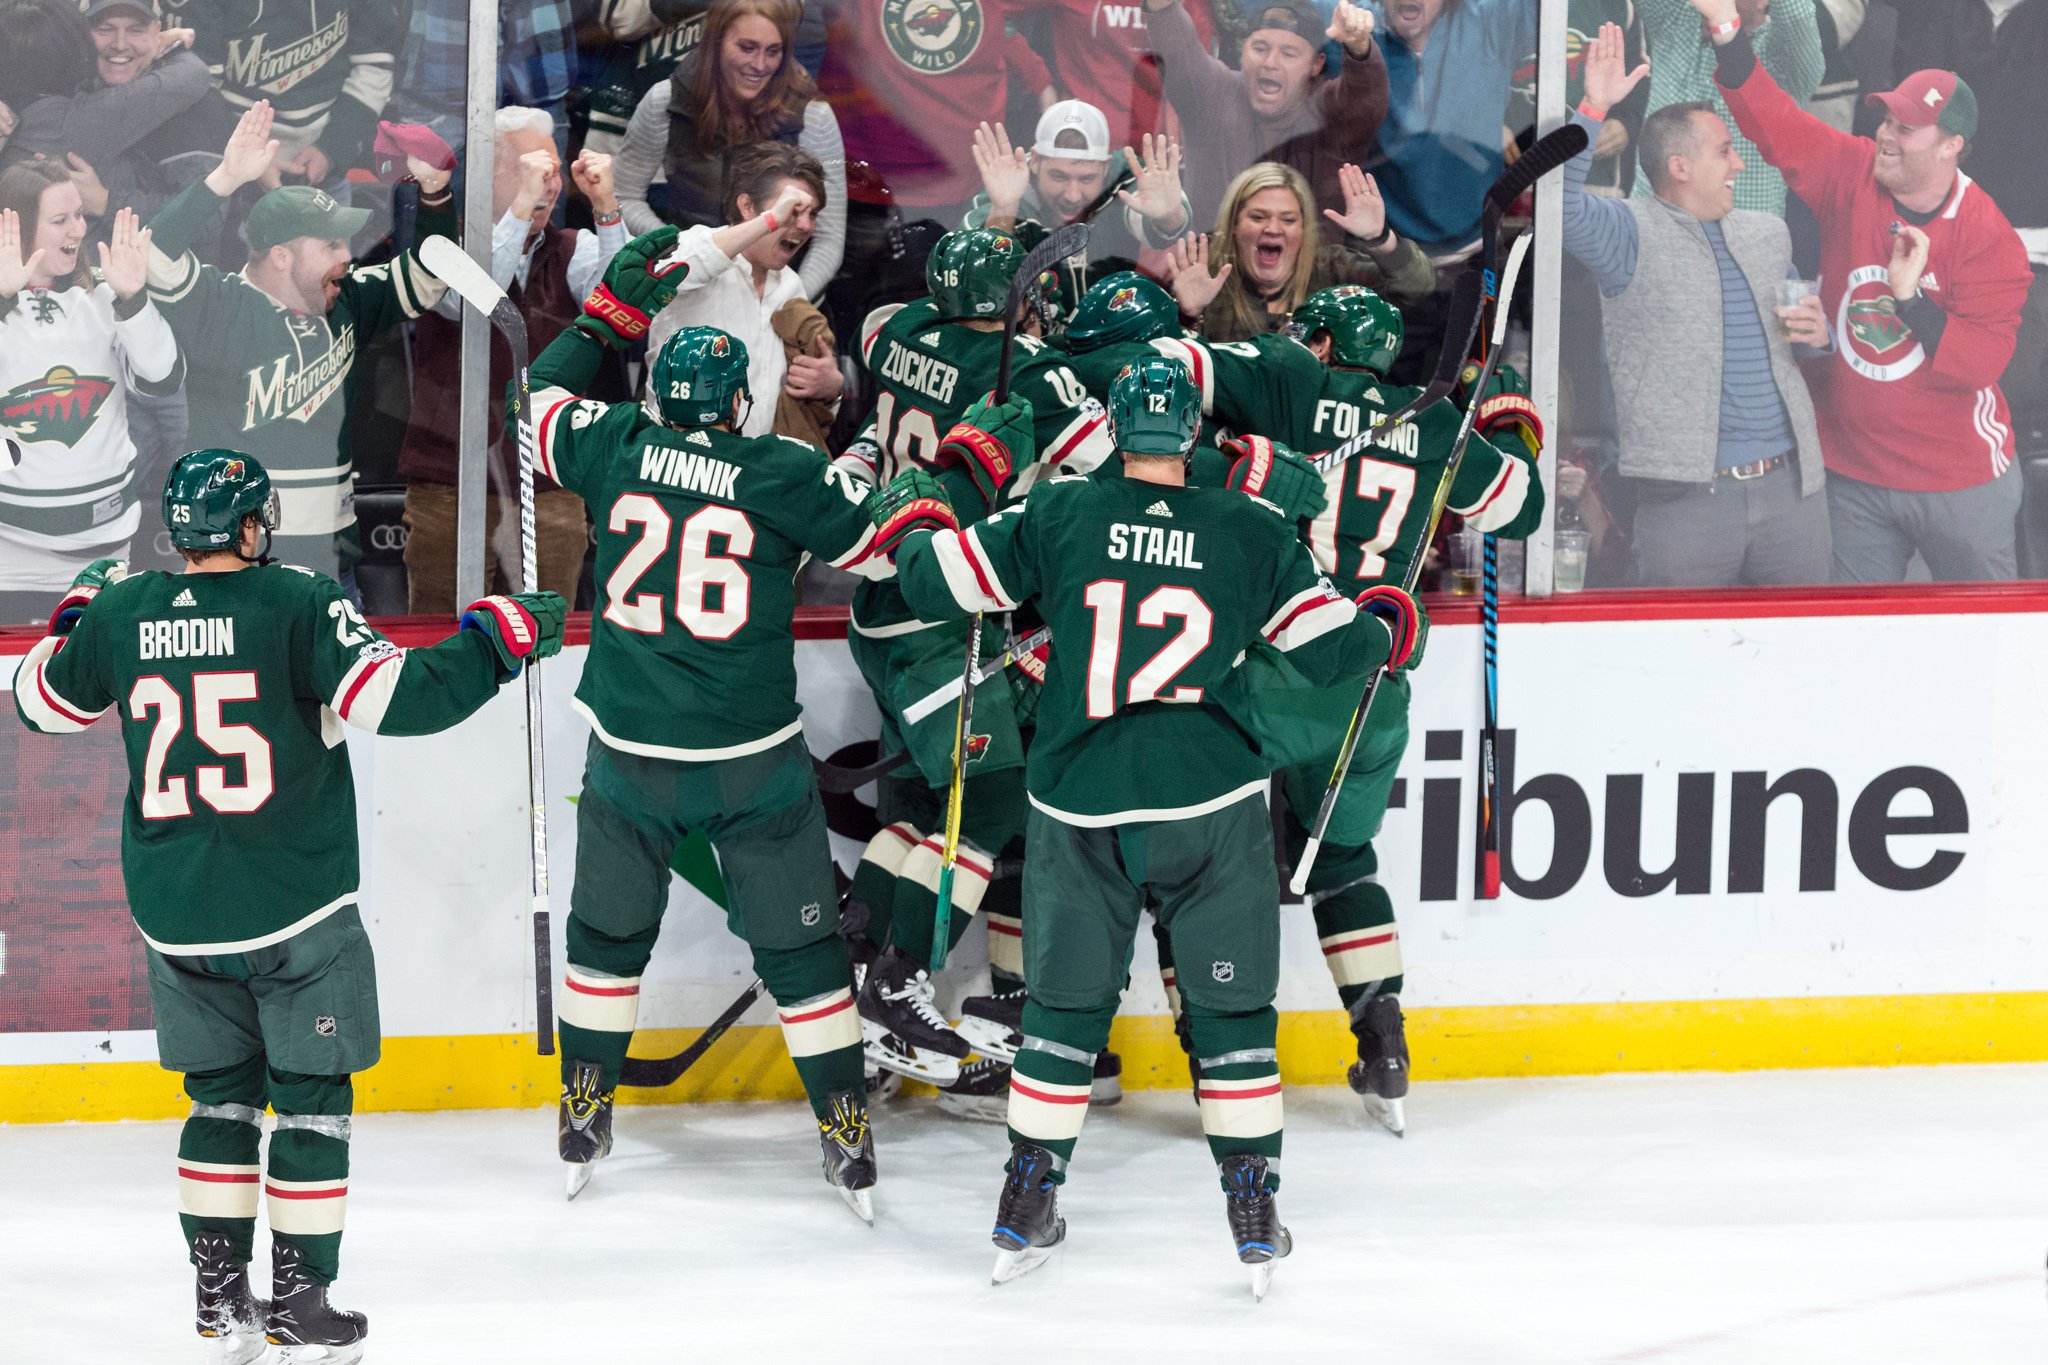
(690, 471)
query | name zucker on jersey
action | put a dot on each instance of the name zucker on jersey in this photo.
(690, 471)
(931, 377)
(303, 391)
(276, 72)
(1141, 544)
(186, 638)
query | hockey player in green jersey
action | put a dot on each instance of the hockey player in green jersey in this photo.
(690, 691)
(231, 682)
(1315, 395)
(270, 349)
(1140, 783)
(934, 362)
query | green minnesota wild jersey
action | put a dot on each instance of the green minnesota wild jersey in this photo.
(1379, 502)
(699, 537)
(927, 374)
(1153, 593)
(275, 382)
(230, 690)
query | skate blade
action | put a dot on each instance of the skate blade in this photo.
(233, 1350)
(315, 1355)
(918, 1064)
(1022, 1261)
(1389, 1114)
(976, 1108)
(1262, 1279)
(989, 1038)
(1105, 1091)
(862, 1202)
(578, 1176)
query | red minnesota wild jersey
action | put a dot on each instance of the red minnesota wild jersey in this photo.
(1154, 594)
(1379, 504)
(699, 537)
(230, 690)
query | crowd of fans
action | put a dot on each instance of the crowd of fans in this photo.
(1804, 315)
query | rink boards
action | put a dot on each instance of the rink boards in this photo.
(1771, 831)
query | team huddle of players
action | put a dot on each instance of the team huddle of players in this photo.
(1215, 606)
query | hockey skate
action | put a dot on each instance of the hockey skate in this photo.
(1380, 1075)
(882, 1086)
(231, 1317)
(303, 1325)
(849, 1151)
(583, 1129)
(993, 1025)
(901, 1028)
(1106, 1087)
(981, 1092)
(1254, 1218)
(1028, 1222)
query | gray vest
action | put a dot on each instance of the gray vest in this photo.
(1663, 336)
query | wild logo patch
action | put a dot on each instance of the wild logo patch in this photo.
(977, 747)
(61, 406)
(1876, 326)
(933, 36)
(1123, 300)
(1874, 340)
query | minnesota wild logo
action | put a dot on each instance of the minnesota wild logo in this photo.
(932, 36)
(1875, 341)
(1123, 300)
(61, 406)
(1876, 325)
(977, 747)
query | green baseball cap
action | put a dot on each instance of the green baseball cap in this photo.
(301, 211)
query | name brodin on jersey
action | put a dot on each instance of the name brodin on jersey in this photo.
(930, 376)
(189, 638)
(1142, 544)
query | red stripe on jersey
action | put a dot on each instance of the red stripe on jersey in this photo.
(1345, 945)
(55, 702)
(217, 1177)
(541, 454)
(1073, 443)
(997, 928)
(1299, 612)
(350, 699)
(275, 1193)
(1499, 486)
(819, 1013)
(577, 986)
(984, 576)
(1209, 1094)
(1023, 1087)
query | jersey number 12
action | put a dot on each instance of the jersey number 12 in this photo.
(1105, 598)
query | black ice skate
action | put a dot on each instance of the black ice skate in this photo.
(994, 1024)
(231, 1317)
(583, 1128)
(303, 1325)
(1254, 1218)
(981, 1091)
(896, 1009)
(1380, 1075)
(1028, 1222)
(849, 1151)
(1106, 1086)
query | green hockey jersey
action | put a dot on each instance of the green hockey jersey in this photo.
(1153, 593)
(326, 66)
(699, 537)
(230, 690)
(1379, 501)
(927, 374)
(273, 382)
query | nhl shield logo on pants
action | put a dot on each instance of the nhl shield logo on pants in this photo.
(1223, 971)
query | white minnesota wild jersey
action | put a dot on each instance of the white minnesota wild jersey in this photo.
(66, 357)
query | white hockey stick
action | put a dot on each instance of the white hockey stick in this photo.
(473, 284)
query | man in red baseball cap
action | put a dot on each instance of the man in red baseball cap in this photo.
(1923, 280)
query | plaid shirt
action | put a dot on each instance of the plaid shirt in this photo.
(536, 58)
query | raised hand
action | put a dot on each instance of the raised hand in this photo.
(1351, 25)
(1717, 12)
(1365, 213)
(534, 170)
(793, 200)
(1005, 172)
(1157, 171)
(1909, 261)
(591, 173)
(91, 192)
(169, 40)
(1607, 81)
(15, 273)
(124, 259)
(1194, 288)
(312, 163)
(249, 155)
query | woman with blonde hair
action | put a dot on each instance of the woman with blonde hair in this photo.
(1268, 254)
(741, 85)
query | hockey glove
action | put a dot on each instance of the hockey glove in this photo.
(1272, 473)
(1511, 414)
(912, 501)
(993, 441)
(1404, 619)
(98, 575)
(523, 625)
(637, 284)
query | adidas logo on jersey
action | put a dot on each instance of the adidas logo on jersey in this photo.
(698, 438)
(1159, 509)
(185, 599)
(929, 339)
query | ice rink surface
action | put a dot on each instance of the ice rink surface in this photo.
(1815, 1216)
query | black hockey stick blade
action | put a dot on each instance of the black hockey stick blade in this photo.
(839, 781)
(651, 1073)
(1468, 302)
(1545, 155)
(1061, 243)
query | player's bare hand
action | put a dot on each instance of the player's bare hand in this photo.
(1607, 77)
(251, 153)
(313, 164)
(814, 376)
(1157, 170)
(1005, 172)
(1351, 25)
(1194, 288)
(1909, 261)
(15, 273)
(591, 173)
(124, 258)
(1806, 324)
(1716, 13)
(1365, 213)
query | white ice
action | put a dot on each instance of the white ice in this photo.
(1855, 1216)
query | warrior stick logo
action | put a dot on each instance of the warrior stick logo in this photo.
(61, 406)
(932, 36)
(1875, 340)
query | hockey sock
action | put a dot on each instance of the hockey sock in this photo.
(813, 990)
(1240, 1085)
(1053, 1074)
(992, 814)
(1003, 909)
(307, 1183)
(218, 1175)
(1355, 924)
(875, 876)
(600, 998)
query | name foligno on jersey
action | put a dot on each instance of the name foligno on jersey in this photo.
(1345, 420)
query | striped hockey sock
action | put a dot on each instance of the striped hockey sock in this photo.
(596, 1013)
(218, 1175)
(1053, 1074)
(1240, 1085)
(306, 1185)
(813, 991)
(1355, 925)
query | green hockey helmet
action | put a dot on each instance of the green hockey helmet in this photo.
(1365, 330)
(969, 272)
(208, 493)
(1122, 307)
(1154, 407)
(695, 375)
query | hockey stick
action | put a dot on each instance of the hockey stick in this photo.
(939, 696)
(655, 1072)
(1057, 246)
(473, 284)
(1488, 887)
